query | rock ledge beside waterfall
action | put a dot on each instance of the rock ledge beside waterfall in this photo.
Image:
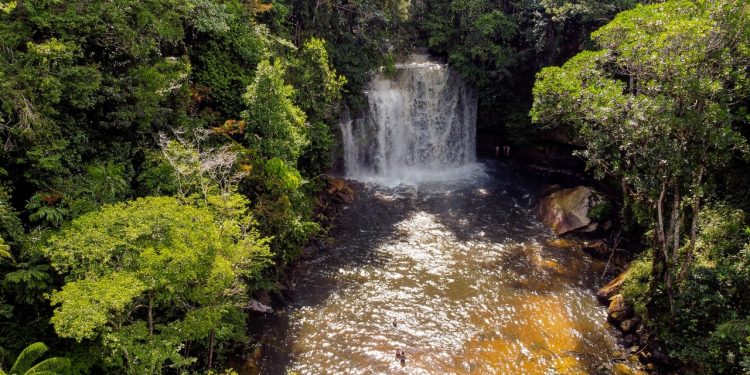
(569, 210)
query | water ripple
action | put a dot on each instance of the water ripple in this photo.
(464, 283)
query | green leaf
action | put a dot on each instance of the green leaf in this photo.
(28, 356)
(87, 306)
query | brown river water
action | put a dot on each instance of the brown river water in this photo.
(459, 275)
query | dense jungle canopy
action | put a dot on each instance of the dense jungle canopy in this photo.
(161, 160)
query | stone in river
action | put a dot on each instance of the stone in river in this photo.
(622, 369)
(629, 325)
(256, 306)
(567, 210)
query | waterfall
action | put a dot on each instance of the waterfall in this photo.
(420, 125)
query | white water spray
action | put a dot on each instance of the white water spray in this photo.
(420, 125)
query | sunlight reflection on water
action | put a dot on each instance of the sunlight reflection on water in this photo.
(461, 277)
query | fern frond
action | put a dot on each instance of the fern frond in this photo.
(5, 251)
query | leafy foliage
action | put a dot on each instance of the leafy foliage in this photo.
(26, 362)
(276, 127)
(500, 46)
(658, 108)
(319, 94)
(160, 158)
(185, 265)
(108, 102)
(669, 120)
(710, 331)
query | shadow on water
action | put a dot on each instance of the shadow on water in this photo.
(461, 276)
(362, 227)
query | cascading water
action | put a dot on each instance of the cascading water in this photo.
(420, 125)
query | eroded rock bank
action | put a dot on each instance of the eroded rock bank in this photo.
(579, 217)
(637, 339)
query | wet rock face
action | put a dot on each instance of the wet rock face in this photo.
(622, 369)
(612, 288)
(629, 325)
(336, 194)
(635, 335)
(567, 210)
(257, 306)
(338, 191)
(618, 310)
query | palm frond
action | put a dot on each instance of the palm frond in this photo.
(54, 365)
(27, 357)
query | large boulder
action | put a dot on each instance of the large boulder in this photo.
(567, 210)
(257, 306)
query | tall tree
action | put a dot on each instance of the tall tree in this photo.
(276, 127)
(148, 276)
(655, 107)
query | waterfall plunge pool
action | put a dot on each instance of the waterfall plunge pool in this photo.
(459, 275)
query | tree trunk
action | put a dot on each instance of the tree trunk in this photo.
(211, 343)
(151, 313)
(632, 84)
(128, 362)
(693, 227)
(660, 267)
(675, 230)
(660, 233)
(673, 239)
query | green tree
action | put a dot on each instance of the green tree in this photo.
(229, 44)
(284, 208)
(86, 90)
(319, 94)
(24, 279)
(276, 127)
(709, 331)
(148, 276)
(318, 86)
(360, 34)
(475, 34)
(655, 109)
(499, 46)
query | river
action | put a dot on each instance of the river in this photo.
(459, 275)
(439, 257)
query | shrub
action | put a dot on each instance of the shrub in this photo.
(635, 286)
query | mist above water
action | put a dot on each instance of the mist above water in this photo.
(419, 126)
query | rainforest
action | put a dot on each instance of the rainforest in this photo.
(247, 187)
